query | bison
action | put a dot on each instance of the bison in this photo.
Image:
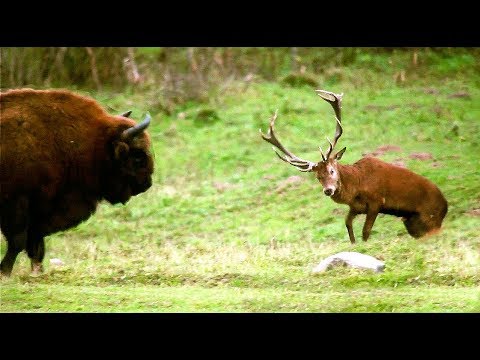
(61, 154)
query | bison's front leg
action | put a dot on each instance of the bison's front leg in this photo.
(36, 252)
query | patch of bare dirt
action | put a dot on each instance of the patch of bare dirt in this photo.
(421, 156)
(381, 107)
(460, 94)
(389, 148)
(383, 149)
(223, 186)
(399, 162)
(432, 91)
(291, 181)
(473, 212)
(438, 111)
(338, 211)
(390, 107)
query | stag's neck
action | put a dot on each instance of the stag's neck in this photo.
(348, 184)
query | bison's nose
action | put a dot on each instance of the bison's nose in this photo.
(147, 184)
(328, 191)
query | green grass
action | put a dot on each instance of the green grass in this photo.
(222, 231)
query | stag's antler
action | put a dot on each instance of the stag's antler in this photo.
(300, 164)
(334, 100)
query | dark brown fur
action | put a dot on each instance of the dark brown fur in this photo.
(371, 186)
(61, 154)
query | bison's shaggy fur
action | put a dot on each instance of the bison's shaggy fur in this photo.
(60, 154)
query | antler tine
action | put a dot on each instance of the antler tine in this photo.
(321, 152)
(330, 147)
(292, 159)
(272, 139)
(334, 100)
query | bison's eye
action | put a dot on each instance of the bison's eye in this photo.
(139, 161)
(139, 158)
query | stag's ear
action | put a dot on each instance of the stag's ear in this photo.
(339, 154)
(120, 150)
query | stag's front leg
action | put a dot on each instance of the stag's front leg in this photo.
(372, 213)
(348, 222)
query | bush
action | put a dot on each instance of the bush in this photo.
(298, 80)
(206, 116)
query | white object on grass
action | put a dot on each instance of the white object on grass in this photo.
(353, 259)
(57, 262)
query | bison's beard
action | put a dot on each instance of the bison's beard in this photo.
(137, 188)
(115, 197)
(120, 192)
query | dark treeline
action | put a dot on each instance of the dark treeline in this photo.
(188, 74)
(95, 67)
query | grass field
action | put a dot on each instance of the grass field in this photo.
(228, 227)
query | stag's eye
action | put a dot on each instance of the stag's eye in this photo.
(332, 171)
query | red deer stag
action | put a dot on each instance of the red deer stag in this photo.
(370, 186)
(61, 154)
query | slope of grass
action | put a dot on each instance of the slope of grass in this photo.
(226, 227)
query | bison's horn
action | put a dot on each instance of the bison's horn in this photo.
(126, 114)
(137, 129)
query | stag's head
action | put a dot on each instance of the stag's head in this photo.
(327, 168)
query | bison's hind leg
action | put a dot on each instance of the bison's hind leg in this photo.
(14, 224)
(15, 244)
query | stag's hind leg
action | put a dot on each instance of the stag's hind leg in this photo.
(421, 224)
